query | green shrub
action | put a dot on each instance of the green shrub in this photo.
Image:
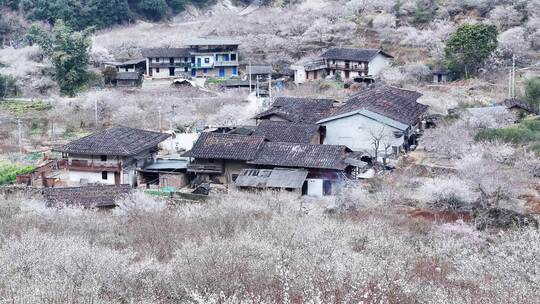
(9, 172)
(532, 92)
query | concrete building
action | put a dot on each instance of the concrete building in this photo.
(203, 57)
(388, 115)
(361, 65)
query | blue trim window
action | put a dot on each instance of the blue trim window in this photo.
(235, 71)
(205, 71)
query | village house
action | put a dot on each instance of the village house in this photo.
(297, 109)
(385, 118)
(361, 65)
(203, 57)
(111, 156)
(223, 158)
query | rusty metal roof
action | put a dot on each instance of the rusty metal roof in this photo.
(86, 196)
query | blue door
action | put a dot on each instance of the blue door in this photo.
(193, 72)
(199, 62)
(235, 71)
(221, 72)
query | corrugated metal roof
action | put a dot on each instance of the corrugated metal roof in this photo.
(272, 178)
(164, 164)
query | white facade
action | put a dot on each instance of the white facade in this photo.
(377, 64)
(357, 132)
(299, 73)
(82, 177)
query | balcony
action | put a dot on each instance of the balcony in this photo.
(226, 63)
(92, 166)
(205, 168)
(170, 65)
(347, 67)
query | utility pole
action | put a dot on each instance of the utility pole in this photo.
(249, 75)
(173, 114)
(257, 88)
(19, 132)
(513, 76)
(270, 87)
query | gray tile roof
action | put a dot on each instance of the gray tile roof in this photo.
(397, 104)
(284, 131)
(166, 52)
(122, 141)
(213, 41)
(352, 54)
(298, 109)
(296, 155)
(86, 196)
(225, 146)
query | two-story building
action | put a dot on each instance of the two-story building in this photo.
(111, 156)
(203, 57)
(383, 118)
(346, 63)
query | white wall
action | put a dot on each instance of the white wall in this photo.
(299, 74)
(377, 64)
(92, 177)
(314, 187)
(354, 132)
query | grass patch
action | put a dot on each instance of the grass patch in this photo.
(9, 172)
(215, 80)
(21, 107)
(72, 135)
(525, 132)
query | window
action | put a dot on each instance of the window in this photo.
(205, 71)
(157, 70)
(157, 59)
(206, 60)
(127, 69)
(104, 175)
(103, 157)
(233, 57)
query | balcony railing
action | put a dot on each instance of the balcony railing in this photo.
(357, 68)
(92, 166)
(205, 168)
(226, 63)
(170, 65)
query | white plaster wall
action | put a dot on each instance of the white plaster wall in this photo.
(377, 64)
(354, 132)
(314, 187)
(92, 177)
(299, 74)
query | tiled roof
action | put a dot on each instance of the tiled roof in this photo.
(225, 146)
(300, 110)
(122, 141)
(166, 52)
(301, 156)
(352, 54)
(397, 104)
(284, 131)
(86, 196)
(510, 103)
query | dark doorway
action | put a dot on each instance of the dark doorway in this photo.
(171, 60)
(171, 71)
(304, 188)
(347, 74)
(117, 178)
(327, 187)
